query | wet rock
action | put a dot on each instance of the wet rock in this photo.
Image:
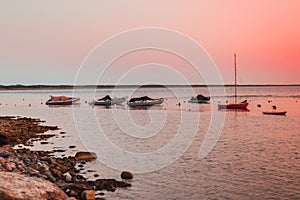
(44, 142)
(32, 171)
(80, 166)
(4, 154)
(49, 175)
(88, 195)
(53, 128)
(74, 189)
(108, 184)
(85, 156)
(126, 175)
(4, 140)
(14, 186)
(56, 173)
(96, 175)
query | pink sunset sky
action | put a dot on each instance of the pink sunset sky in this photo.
(46, 42)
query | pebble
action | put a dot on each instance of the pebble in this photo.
(68, 177)
(126, 175)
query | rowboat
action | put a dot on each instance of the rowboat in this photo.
(62, 100)
(274, 113)
(108, 101)
(144, 101)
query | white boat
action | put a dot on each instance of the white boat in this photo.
(144, 101)
(199, 99)
(62, 100)
(108, 101)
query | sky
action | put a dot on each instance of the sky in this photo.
(46, 42)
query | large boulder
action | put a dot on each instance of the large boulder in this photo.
(15, 186)
(85, 155)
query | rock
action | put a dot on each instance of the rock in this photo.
(72, 146)
(4, 154)
(126, 175)
(2, 160)
(49, 176)
(32, 171)
(108, 184)
(80, 166)
(85, 156)
(56, 173)
(68, 177)
(4, 140)
(88, 195)
(8, 167)
(15, 186)
(44, 142)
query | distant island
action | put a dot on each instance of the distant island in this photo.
(66, 87)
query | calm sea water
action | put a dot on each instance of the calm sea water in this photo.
(255, 157)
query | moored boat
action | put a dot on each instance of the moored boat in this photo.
(144, 101)
(234, 106)
(108, 101)
(62, 100)
(199, 99)
(274, 113)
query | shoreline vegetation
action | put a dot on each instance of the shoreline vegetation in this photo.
(66, 87)
(26, 174)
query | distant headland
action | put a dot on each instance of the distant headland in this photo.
(70, 87)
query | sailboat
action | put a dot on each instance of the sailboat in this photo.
(234, 106)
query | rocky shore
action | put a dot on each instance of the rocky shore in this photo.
(26, 174)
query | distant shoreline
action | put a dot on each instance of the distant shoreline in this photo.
(70, 87)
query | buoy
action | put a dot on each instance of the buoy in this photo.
(165, 108)
(29, 105)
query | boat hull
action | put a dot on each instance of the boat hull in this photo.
(238, 106)
(198, 101)
(274, 113)
(116, 101)
(63, 102)
(146, 103)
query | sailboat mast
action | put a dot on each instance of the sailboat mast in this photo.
(235, 81)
